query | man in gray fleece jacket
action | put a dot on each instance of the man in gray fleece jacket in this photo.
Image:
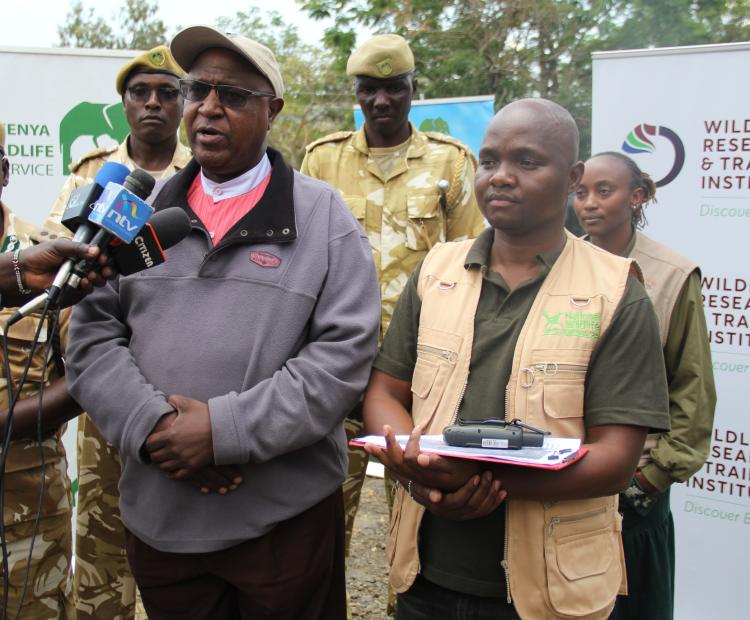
(231, 366)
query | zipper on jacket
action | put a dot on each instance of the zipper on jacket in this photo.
(552, 368)
(505, 563)
(460, 400)
(446, 354)
(548, 369)
(586, 515)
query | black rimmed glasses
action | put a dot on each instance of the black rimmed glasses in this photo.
(142, 94)
(230, 96)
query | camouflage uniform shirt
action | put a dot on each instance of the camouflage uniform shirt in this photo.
(49, 582)
(403, 210)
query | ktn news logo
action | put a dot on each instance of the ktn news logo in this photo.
(639, 140)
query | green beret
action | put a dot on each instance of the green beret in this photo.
(156, 60)
(382, 56)
(2, 135)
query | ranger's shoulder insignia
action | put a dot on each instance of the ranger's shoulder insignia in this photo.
(331, 137)
(103, 151)
(446, 139)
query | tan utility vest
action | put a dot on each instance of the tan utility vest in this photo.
(664, 273)
(563, 559)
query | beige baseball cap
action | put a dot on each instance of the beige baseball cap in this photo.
(189, 43)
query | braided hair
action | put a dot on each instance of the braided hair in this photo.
(638, 180)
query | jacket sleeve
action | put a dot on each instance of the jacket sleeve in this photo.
(692, 394)
(309, 396)
(103, 377)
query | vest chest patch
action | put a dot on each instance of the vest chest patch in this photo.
(574, 324)
(265, 259)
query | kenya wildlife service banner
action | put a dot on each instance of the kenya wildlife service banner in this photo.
(57, 105)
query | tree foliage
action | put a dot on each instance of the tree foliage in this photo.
(507, 48)
(318, 96)
(526, 48)
(138, 27)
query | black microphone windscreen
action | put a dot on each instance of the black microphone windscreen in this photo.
(170, 225)
(140, 182)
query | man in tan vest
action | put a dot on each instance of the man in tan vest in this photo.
(524, 322)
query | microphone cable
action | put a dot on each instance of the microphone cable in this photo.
(12, 399)
(54, 324)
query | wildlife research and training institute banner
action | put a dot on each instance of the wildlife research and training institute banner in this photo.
(682, 114)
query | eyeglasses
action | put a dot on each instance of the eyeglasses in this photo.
(142, 94)
(230, 96)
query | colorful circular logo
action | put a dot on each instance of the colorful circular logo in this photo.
(639, 141)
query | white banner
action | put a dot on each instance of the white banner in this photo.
(57, 105)
(682, 114)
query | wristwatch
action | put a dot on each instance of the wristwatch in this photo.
(641, 501)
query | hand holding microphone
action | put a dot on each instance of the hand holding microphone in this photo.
(117, 216)
(39, 264)
(120, 212)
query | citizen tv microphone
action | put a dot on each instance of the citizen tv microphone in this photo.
(120, 213)
(163, 230)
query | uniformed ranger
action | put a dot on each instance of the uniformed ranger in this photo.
(149, 87)
(47, 579)
(409, 189)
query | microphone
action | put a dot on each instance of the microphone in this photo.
(119, 212)
(81, 202)
(117, 222)
(163, 230)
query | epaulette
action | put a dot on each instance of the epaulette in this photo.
(441, 137)
(102, 151)
(331, 137)
(446, 139)
(48, 233)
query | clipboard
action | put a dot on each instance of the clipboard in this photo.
(556, 453)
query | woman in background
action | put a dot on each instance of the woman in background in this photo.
(610, 203)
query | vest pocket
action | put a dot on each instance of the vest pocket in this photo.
(437, 354)
(582, 560)
(424, 225)
(424, 375)
(555, 393)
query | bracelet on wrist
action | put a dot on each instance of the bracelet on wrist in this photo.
(16, 263)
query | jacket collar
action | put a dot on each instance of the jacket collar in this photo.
(271, 221)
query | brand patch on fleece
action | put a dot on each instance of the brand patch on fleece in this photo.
(265, 259)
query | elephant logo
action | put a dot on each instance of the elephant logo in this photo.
(91, 123)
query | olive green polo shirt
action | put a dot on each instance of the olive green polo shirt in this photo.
(625, 384)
